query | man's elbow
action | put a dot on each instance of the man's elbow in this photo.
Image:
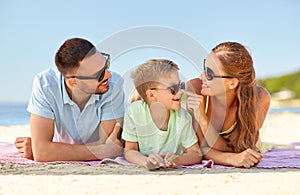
(41, 158)
(41, 155)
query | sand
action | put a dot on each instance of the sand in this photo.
(115, 179)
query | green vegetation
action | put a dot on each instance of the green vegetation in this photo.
(286, 82)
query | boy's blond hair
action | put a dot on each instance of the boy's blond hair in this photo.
(149, 74)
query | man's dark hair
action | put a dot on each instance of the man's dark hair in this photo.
(72, 52)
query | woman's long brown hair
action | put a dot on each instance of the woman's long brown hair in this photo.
(237, 62)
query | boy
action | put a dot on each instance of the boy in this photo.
(157, 131)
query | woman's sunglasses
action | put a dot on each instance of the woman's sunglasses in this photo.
(100, 74)
(210, 75)
(174, 88)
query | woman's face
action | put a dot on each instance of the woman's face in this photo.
(212, 82)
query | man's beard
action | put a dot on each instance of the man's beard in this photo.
(100, 92)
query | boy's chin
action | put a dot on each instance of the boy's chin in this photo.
(177, 107)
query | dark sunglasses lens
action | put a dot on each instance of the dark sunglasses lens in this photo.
(175, 88)
(102, 72)
(209, 74)
(181, 85)
(101, 76)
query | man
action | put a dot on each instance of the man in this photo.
(76, 108)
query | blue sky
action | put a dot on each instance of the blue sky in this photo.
(32, 31)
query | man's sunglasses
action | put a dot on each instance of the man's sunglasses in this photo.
(174, 88)
(210, 75)
(100, 74)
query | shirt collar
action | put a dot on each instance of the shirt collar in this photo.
(65, 95)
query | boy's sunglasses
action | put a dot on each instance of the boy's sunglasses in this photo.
(210, 75)
(101, 73)
(174, 88)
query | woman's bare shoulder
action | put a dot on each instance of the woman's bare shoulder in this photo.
(264, 97)
(263, 93)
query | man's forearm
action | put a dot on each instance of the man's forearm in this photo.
(55, 151)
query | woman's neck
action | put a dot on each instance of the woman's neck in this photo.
(223, 110)
(227, 101)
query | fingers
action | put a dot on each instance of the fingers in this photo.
(190, 94)
(256, 154)
(115, 135)
(253, 157)
(249, 158)
(194, 100)
(117, 128)
(23, 144)
(116, 132)
(25, 153)
(156, 159)
(169, 160)
(21, 139)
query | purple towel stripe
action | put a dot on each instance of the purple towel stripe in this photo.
(276, 158)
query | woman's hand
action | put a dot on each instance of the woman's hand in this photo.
(196, 104)
(247, 158)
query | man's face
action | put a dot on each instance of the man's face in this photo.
(92, 68)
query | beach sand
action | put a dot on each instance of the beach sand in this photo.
(115, 179)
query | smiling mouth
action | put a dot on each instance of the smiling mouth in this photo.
(177, 99)
(104, 83)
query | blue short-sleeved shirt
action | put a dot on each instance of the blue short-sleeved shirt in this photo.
(49, 99)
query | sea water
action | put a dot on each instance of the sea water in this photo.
(16, 113)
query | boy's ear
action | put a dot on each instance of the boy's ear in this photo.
(150, 94)
(233, 83)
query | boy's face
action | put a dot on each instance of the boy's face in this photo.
(163, 94)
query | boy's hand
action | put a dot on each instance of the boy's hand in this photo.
(170, 160)
(154, 161)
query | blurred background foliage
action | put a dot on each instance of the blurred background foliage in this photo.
(288, 82)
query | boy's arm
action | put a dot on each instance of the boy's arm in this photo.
(191, 156)
(132, 154)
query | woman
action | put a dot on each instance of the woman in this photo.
(228, 107)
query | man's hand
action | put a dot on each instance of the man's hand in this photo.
(115, 135)
(23, 144)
